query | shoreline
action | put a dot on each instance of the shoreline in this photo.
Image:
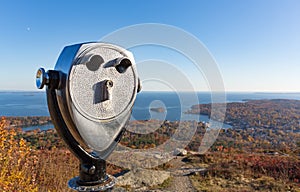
(250, 113)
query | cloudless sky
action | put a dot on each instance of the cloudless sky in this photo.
(255, 43)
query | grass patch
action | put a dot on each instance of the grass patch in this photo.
(167, 183)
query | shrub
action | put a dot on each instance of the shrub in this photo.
(16, 162)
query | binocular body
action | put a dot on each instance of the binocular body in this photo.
(90, 95)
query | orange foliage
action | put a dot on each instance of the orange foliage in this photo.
(15, 162)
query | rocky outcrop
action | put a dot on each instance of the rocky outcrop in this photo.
(141, 178)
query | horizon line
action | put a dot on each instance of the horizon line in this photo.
(184, 91)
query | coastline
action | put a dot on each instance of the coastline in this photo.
(32, 104)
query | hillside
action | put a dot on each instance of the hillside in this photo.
(254, 155)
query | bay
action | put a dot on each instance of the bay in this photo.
(20, 103)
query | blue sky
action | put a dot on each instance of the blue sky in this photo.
(256, 44)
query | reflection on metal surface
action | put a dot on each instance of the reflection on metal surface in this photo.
(41, 78)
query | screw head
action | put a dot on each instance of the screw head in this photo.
(92, 170)
(109, 83)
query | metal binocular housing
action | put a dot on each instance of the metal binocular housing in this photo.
(90, 95)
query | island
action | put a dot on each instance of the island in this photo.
(158, 109)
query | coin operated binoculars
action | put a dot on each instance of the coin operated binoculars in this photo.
(90, 95)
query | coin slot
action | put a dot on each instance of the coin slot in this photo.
(102, 91)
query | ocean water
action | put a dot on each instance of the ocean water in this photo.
(23, 104)
(175, 104)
